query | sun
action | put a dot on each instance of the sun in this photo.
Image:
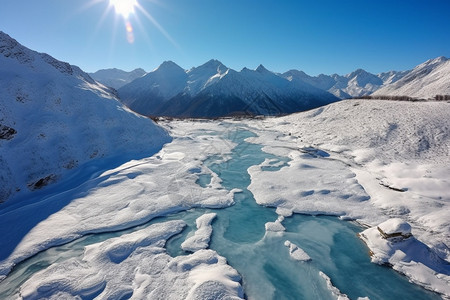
(124, 7)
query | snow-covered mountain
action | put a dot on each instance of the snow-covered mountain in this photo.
(355, 84)
(116, 78)
(427, 80)
(54, 118)
(214, 90)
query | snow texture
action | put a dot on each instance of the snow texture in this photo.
(129, 195)
(395, 225)
(368, 160)
(275, 226)
(201, 237)
(408, 256)
(296, 252)
(136, 266)
(54, 119)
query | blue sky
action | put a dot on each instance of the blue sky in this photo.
(316, 36)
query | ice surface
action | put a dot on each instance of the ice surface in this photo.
(334, 290)
(275, 226)
(313, 186)
(201, 237)
(129, 195)
(386, 159)
(136, 266)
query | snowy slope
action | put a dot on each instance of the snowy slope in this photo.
(425, 81)
(401, 150)
(213, 90)
(369, 160)
(55, 118)
(116, 78)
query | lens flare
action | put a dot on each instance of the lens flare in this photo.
(130, 34)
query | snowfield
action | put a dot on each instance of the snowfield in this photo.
(368, 160)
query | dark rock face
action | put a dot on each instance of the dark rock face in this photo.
(42, 182)
(7, 133)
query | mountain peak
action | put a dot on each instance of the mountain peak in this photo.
(213, 64)
(435, 61)
(169, 65)
(261, 69)
(358, 72)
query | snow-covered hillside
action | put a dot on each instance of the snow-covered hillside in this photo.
(425, 81)
(54, 118)
(396, 155)
(116, 78)
(400, 152)
(213, 90)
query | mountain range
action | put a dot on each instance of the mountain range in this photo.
(54, 118)
(427, 80)
(214, 90)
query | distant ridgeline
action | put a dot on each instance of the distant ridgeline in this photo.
(214, 90)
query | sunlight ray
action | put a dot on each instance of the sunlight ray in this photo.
(143, 32)
(158, 26)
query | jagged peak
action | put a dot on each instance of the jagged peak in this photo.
(358, 72)
(262, 69)
(213, 64)
(169, 65)
(434, 61)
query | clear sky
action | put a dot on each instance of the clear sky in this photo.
(316, 36)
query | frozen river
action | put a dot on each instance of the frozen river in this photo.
(260, 255)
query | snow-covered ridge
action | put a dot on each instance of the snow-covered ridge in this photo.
(117, 78)
(354, 84)
(214, 90)
(427, 80)
(55, 118)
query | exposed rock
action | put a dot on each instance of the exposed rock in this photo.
(6, 132)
